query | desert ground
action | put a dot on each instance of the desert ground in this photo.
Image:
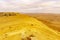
(51, 20)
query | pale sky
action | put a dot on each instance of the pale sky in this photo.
(33, 6)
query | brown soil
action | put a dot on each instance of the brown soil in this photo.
(52, 20)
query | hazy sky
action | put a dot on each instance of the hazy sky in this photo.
(30, 6)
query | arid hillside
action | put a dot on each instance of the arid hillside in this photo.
(52, 20)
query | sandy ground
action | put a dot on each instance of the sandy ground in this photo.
(52, 20)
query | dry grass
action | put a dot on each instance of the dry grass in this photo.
(52, 20)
